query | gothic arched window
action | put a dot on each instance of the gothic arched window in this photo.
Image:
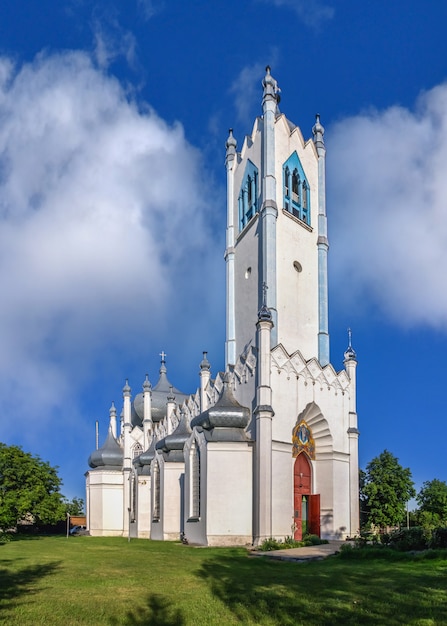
(137, 450)
(296, 189)
(248, 196)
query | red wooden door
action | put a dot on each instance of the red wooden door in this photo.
(302, 480)
(314, 514)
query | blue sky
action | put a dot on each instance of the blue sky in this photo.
(113, 119)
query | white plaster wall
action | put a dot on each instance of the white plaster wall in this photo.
(172, 499)
(144, 507)
(282, 490)
(229, 494)
(297, 293)
(328, 418)
(246, 286)
(195, 529)
(105, 495)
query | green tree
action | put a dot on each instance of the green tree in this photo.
(386, 489)
(432, 500)
(29, 487)
(74, 507)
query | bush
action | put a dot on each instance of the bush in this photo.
(406, 539)
(289, 542)
(439, 538)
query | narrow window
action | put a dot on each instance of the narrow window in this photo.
(296, 187)
(133, 496)
(156, 513)
(286, 182)
(195, 481)
(249, 192)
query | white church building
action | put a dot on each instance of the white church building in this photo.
(268, 448)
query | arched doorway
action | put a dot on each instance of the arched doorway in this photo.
(306, 515)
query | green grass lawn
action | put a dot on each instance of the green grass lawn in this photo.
(84, 580)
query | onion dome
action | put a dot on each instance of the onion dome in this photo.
(160, 394)
(226, 420)
(109, 456)
(172, 445)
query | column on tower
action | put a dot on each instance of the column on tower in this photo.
(269, 209)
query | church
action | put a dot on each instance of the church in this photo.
(269, 447)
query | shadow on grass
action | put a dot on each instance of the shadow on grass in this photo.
(159, 612)
(259, 591)
(16, 583)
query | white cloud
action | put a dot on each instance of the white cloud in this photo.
(111, 42)
(103, 230)
(149, 8)
(313, 13)
(387, 193)
(247, 89)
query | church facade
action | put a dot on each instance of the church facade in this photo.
(269, 447)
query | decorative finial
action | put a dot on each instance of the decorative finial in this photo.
(163, 356)
(231, 141)
(318, 132)
(170, 396)
(205, 364)
(350, 352)
(270, 85)
(112, 410)
(147, 385)
(264, 312)
(126, 388)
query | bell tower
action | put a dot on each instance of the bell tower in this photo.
(276, 234)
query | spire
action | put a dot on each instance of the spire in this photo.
(318, 133)
(350, 352)
(112, 419)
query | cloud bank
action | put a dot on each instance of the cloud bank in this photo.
(387, 193)
(103, 229)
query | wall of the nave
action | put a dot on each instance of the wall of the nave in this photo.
(326, 411)
(229, 494)
(144, 507)
(105, 503)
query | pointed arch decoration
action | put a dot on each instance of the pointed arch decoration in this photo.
(302, 440)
